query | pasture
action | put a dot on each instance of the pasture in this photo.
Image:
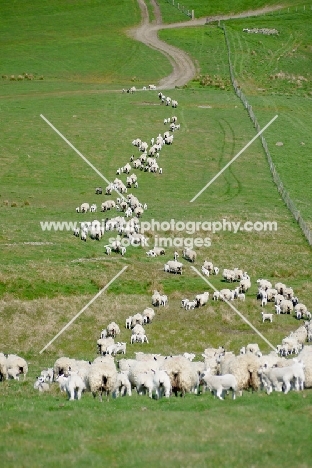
(84, 58)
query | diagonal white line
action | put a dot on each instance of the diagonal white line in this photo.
(80, 154)
(232, 160)
(235, 310)
(83, 309)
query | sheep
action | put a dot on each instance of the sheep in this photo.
(62, 366)
(123, 385)
(84, 208)
(274, 378)
(163, 300)
(264, 284)
(216, 296)
(225, 294)
(15, 366)
(117, 348)
(190, 305)
(113, 329)
(161, 384)
(202, 299)
(137, 319)
(189, 254)
(148, 315)
(218, 384)
(128, 322)
(173, 266)
(286, 306)
(141, 338)
(189, 356)
(74, 386)
(103, 343)
(205, 271)
(3, 367)
(267, 317)
(98, 191)
(244, 285)
(137, 373)
(244, 367)
(41, 385)
(305, 356)
(103, 377)
(47, 374)
(138, 330)
(156, 298)
(183, 376)
(288, 293)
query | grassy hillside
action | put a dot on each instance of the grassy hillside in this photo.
(85, 59)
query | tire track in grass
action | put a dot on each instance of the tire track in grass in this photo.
(227, 130)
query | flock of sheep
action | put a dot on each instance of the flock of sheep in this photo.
(217, 370)
(126, 204)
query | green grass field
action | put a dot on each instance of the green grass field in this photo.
(85, 59)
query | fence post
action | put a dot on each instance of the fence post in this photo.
(193, 15)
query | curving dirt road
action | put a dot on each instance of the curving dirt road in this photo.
(184, 69)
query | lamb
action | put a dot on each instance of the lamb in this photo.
(47, 374)
(189, 254)
(74, 386)
(267, 317)
(41, 385)
(190, 305)
(163, 300)
(161, 384)
(189, 356)
(128, 322)
(117, 348)
(123, 385)
(103, 377)
(183, 376)
(15, 366)
(218, 384)
(274, 378)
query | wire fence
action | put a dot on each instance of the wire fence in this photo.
(280, 186)
(182, 8)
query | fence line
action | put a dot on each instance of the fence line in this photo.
(187, 12)
(280, 186)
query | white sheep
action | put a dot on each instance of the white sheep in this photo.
(113, 329)
(267, 317)
(15, 366)
(189, 254)
(219, 384)
(41, 385)
(183, 376)
(123, 385)
(74, 386)
(161, 383)
(202, 299)
(103, 377)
